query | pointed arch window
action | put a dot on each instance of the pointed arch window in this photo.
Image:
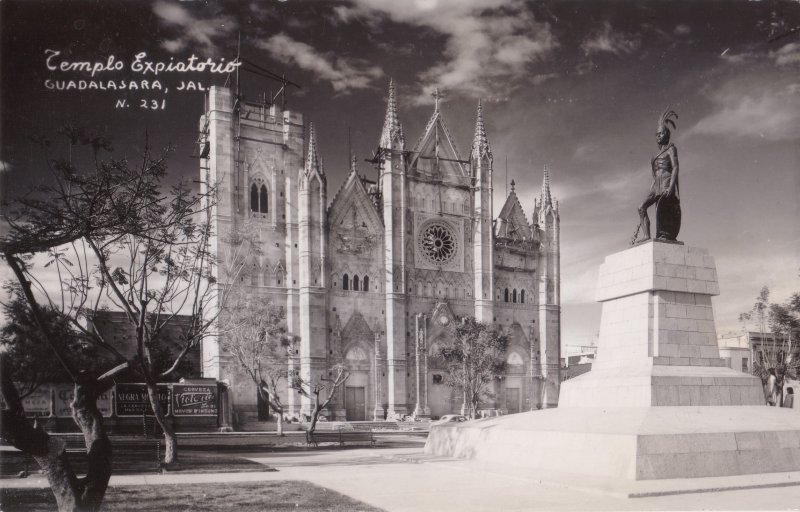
(365, 284)
(253, 198)
(522, 297)
(514, 296)
(263, 206)
(345, 282)
(505, 295)
(259, 197)
(355, 284)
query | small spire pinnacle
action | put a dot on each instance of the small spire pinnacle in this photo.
(312, 161)
(546, 197)
(353, 160)
(480, 144)
(512, 186)
(391, 124)
(437, 95)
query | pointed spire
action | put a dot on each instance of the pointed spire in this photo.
(353, 163)
(480, 144)
(512, 186)
(312, 161)
(391, 124)
(547, 199)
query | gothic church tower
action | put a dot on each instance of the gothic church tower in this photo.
(392, 181)
(547, 216)
(482, 243)
(313, 282)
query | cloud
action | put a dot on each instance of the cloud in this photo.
(606, 40)
(344, 74)
(772, 113)
(193, 31)
(737, 58)
(682, 30)
(488, 44)
(788, 54)
(542, 78)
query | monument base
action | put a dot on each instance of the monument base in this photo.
(658, 404)
(631, 443)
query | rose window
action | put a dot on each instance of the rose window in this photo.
(437, 243)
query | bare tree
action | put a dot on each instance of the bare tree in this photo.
(117, 237)
(325, 387)
(71, 492)
(255, 334)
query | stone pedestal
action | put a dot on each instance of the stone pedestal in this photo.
(658, 403)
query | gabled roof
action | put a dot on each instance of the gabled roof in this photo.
(511, 222)
(436, 141)
(353, 191)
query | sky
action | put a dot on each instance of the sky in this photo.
(576, 86)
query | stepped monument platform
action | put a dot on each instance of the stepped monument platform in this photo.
(659, 402)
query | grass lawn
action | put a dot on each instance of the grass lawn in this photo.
(189, 461)
(239, 496)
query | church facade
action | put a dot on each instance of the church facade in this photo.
(378, 274)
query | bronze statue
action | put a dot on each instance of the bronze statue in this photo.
(664, 192)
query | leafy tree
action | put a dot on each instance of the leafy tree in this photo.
(31, 358)
(784, 320)
(779, 353)
(474, 358)
(255, 334)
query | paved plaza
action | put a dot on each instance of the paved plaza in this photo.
(403, 479)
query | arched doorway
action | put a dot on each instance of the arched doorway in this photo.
(355, 391)
(441, 397)
(513, 383)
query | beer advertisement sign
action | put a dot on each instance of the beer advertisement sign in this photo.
(194, 400)
(66, 393)
(132, 399)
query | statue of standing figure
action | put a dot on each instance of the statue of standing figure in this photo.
(664, 192)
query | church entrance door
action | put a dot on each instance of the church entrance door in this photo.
(512, 400)
(355, 403)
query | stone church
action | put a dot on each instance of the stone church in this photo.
(374, 276)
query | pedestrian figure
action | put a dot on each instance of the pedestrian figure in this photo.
(788, 400)
(772, 388)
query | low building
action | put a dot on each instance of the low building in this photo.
(577, 360)
(741, 349)
(115, 328)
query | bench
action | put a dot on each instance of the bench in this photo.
(122, 447)
(340, 436)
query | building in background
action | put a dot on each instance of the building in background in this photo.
(378, 275)
(577, 360)
(117, 330)
(740, 350)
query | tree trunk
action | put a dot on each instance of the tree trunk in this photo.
(170, 439)
(98, 445)
(314, 414)
(72, 494)
(280, 423)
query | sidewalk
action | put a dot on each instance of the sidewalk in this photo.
(402, 479)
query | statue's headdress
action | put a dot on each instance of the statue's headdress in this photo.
(665, 121)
